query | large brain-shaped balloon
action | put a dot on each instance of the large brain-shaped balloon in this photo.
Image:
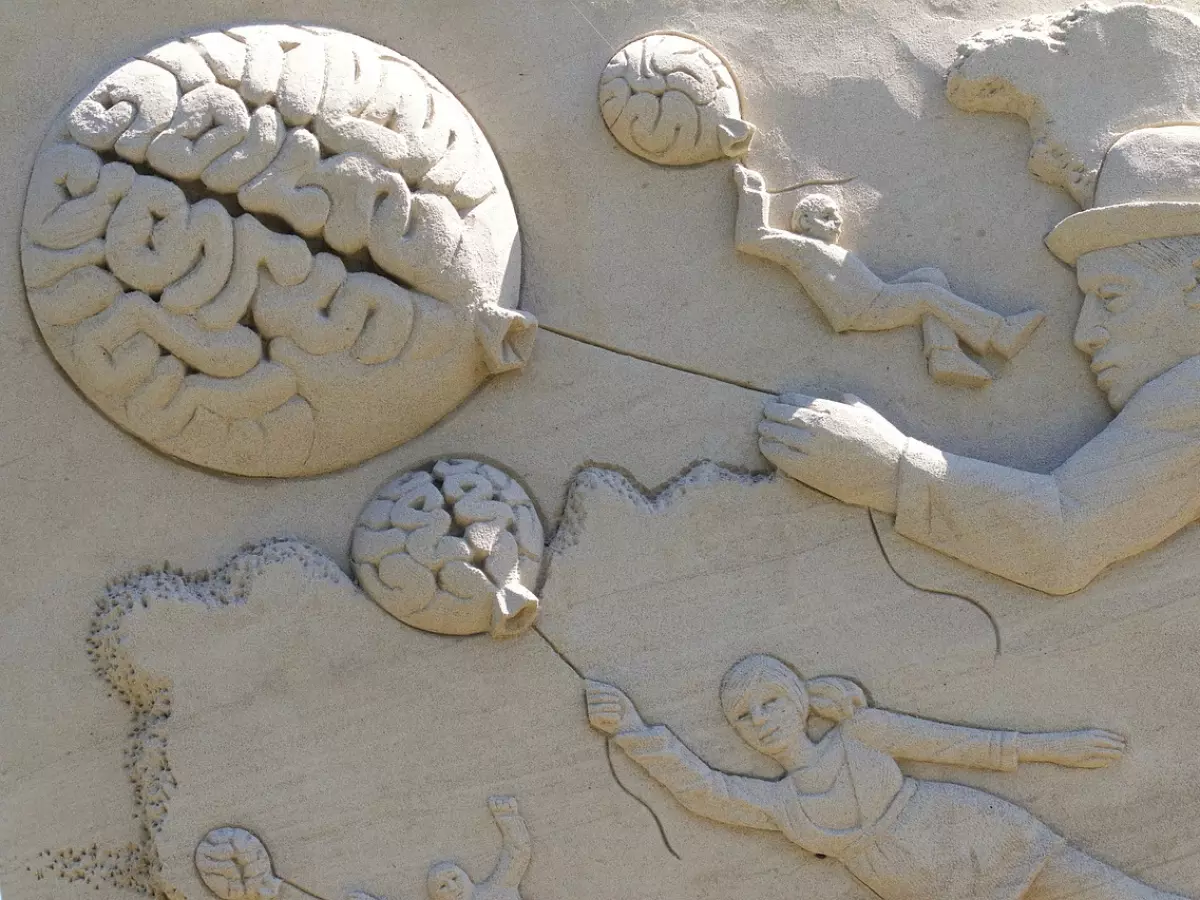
(273, 250)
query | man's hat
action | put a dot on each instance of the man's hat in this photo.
(1148, 187)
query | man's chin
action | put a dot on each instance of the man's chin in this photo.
(1122, 385)
(1121, 392)
(1117, 398)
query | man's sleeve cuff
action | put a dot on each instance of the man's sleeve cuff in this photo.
(921, 468)
(1005, 751)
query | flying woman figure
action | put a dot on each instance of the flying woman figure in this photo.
(844, 796)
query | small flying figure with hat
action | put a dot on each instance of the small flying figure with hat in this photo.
(1136, 254)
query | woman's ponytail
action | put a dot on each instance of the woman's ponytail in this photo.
(832, 698)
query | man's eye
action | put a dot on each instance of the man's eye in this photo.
(744, 717)
(1113, 298)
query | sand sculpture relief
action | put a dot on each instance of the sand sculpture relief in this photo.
(234, 863)
(284, 250)
(448, 881)
(670, 99)
(853, 298)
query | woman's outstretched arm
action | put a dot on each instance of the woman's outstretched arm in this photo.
(731, 799)
(909, 737)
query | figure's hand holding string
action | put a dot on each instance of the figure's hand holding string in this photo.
(748, 180)
(1089, 749)
(610, 711)
(846, 450)
(501, 807)
(752, 233)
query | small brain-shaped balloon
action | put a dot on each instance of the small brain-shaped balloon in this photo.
(670, 99)
(235, 865)
(453, 549)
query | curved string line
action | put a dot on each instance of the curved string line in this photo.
(813, 181)
(963, 597)
(657, 821)
(297, 887)
(608, 749)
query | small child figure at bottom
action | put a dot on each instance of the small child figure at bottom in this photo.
(853, 298)
(448, 881)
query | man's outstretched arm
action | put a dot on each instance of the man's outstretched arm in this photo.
(1126, 490)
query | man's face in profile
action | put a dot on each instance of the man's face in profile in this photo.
(1140, 317)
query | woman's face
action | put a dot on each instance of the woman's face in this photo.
(449, 882)
(768, 717)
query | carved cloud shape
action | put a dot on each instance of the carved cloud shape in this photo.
(1081, 79)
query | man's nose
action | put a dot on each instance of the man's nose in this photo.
(758, 715)
(1090, 334)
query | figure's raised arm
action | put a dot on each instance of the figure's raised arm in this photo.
(909, 737)
(731, 799)
(753, 234)
(515, 848)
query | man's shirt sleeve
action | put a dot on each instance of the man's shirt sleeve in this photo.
(1125, 491)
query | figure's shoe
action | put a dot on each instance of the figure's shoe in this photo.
(1010, 338)
(953, 366)
(947, 362)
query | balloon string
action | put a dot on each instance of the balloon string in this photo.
(811, 182)
(297, 887)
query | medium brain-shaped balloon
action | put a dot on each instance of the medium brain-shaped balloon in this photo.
(670, 99)
(273, 250)
(453, 549)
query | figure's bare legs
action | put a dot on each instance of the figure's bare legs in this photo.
(1071, 874)
(927, 274)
